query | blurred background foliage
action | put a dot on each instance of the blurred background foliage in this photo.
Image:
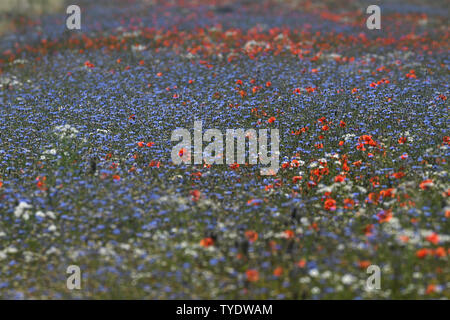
(14, 13)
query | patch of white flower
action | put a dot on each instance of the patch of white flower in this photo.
(408, 136)
(315, 290)
(348, 136)
(323, 188)
(6, 251)
(132, 34)
(9, 81)
(332, 56)
(19, 61)
(66, 131)
(23, 210)
(107, 251)
(250, 45)
(304, 221)
(304, 280)
(43, 215)
(48, 152)
(313, 164)
(348, 279)
(53, 250)
(313, 273)
(138, 48)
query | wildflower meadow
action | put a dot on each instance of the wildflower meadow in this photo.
(337, 189)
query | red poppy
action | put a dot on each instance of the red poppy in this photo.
(41, 183)
(345, 167)
(154, 163)
(430, 289)
(196, 175)
(446, 140)
(271, 119)
(357, 163)
(195, 195)
(366, 139)
(278, 271)
(387, 193)
(422, 253)
(364, 264)
(440, 252)
(234, 166)
(404, 239)
(349, 203)
(372, 198)
(426, 184)
(301, 263)
(330, 204)
(411, 74)
(252, 275)
(251, 235)
(296, 179)
(384, 216)
(289, 234)
(398, 175)
(433, 238)
(368, 230)
(402, 140)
